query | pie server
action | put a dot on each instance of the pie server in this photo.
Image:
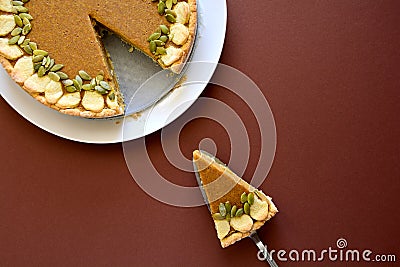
(262, 249)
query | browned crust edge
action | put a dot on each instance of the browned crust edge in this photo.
(6, 65)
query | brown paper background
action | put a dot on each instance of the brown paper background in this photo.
(330, 71)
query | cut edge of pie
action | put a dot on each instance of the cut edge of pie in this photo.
(233, 221)
(86, 101)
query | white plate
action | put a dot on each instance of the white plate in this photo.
(212, 16)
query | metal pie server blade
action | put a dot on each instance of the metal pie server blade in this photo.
(263, 253)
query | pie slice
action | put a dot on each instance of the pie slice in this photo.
(53, 49)
(236, 207)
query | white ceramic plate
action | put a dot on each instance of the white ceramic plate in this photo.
(212, 16)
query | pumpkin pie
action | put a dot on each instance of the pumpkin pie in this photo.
(53, 49)
(236, 207)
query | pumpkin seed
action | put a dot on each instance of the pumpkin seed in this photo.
(79, 80)
(21, 40)
(25, 16)
(246, 208)
(57, 67)
(159, 43)
(228, 217)
(25, 21)
(26, 41)
(228, 207)
(93, 83)
(41, 71)
(16, 31)
(71, 89)
(111, 96)
(243, 197)
(233, 211)
(170, 18)
(99, 78)
(100, 90)
(161, 8)
(17, 3)
(49, 66)
(33, 45)
(48, 61)
(40, 52)
(37, 58)
(25, 1)
(68, 82)
(21, 9)
(222, 209)
(14, 40)
(77, 84)
(54, 76)
(250, 198)
(63, 76)
(27, 28)
(86, 87)
(174, 2)
(239, 212)
(164, 29)
(168, 3)
(164, 38)
(28, 49)
(36, 66)
(218, 216)
(154, 36)
(83, 74)
(105, 85)
(152, 47)
(161, 51)
(171, 12)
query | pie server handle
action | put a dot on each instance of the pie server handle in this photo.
(262, 249)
